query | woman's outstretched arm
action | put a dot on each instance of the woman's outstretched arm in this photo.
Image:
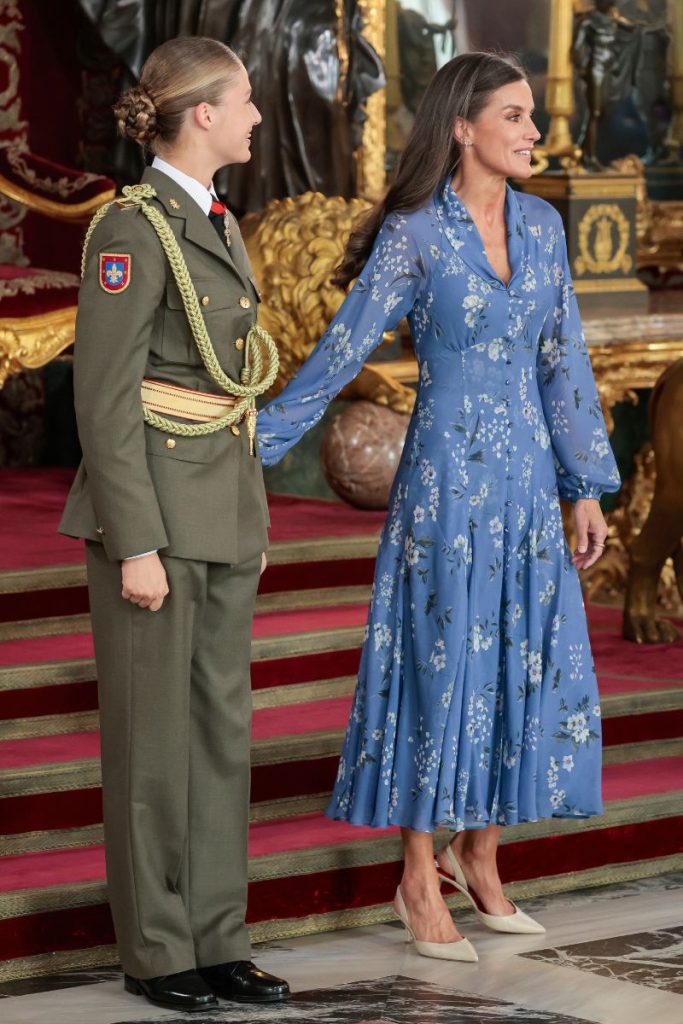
(383, 294)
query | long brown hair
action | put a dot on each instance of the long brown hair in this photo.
(461, 88)
(176, 76)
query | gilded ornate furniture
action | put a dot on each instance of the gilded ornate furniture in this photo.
(661, 536)
(37, 306)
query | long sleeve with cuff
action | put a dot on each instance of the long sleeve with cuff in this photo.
(113, 334)
(584, 461)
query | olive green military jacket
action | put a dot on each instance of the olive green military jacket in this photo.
(202, 497)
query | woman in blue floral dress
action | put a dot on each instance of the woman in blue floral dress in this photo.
(476, 705)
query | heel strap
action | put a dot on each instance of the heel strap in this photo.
(454, 864)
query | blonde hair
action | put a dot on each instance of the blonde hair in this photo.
(176, 76)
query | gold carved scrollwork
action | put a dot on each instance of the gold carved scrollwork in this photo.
(631, 363)
(33, 341)
(597, 226)
(294, 246)
(606, 580)
(659, 223)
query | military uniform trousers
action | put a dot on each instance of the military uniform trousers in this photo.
(175, 710)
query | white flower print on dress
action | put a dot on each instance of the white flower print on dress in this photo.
(477, 659)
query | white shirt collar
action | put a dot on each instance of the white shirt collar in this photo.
(201, 195)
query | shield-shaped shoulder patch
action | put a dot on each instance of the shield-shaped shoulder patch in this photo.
(115, 271)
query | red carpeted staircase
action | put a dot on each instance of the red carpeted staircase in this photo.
(308, 630)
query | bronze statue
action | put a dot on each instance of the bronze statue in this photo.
(652, 92)
(617, 57)
(309, 84)
(597, 44)
(662, 534)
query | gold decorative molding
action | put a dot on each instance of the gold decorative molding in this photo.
(617, 287)
(602, 257)
(371, 156)
(32, 341)
(606, 580)
(69, 212)
(621, 369)
(583, 186)
(660, 234)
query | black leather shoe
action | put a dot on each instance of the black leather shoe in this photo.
(243, 982)
(185, 991)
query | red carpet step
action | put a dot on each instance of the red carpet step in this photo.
(307, 873)
(68, 867)
(295, 748)
(31, 503)
(42, 573)
(332, 868)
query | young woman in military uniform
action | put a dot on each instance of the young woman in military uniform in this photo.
(171, 502)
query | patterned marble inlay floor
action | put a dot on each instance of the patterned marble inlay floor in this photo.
(396, 1000)
(369, 976)
(646, 958)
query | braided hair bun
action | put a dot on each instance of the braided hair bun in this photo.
(176, 76)
(136, 116)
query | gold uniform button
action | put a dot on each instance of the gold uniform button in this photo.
(239, 344)
(205, 300)
(170, 442)
(235, 430)
(245, 303)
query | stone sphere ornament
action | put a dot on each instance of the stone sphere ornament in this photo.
(360, 452)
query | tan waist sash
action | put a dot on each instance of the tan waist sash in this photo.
(170, 400)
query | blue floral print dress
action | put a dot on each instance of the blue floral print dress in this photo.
(476, 699)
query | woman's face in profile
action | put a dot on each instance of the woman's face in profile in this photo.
(232, 122)
(504, 133)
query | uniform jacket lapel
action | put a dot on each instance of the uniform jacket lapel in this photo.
(197, 227)
(239, 254)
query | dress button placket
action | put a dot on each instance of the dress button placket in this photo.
(508, 449)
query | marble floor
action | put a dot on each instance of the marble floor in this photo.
(612, 955)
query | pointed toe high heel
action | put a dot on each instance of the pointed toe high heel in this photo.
(518, 923)
(462, 950)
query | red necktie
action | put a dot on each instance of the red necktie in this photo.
(217, 217)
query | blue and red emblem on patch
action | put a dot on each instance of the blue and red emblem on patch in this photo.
(114, 271)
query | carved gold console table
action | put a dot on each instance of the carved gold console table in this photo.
(629, 353)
